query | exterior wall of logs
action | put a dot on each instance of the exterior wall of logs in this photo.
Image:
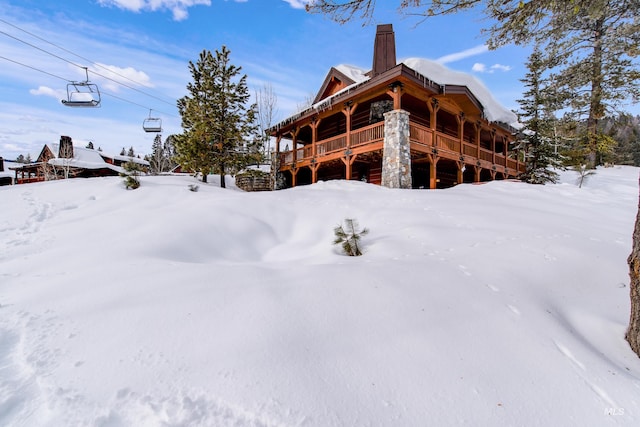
(343, 137)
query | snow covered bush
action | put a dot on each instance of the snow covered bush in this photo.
(131, 175)
(349, 237)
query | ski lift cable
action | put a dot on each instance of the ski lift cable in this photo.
(136, 104)
(81, 66)
(67, 80)
(83, 58)
(33, 68)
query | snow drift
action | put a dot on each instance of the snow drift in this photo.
(482, 305)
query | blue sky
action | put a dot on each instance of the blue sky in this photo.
(151, 42)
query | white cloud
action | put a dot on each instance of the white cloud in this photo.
(479, 67)
(501, 67)
(457, 56)
(177, 7)
(298, 4)
(47, 91)
(128, 76)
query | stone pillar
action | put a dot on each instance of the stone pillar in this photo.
(396, 156)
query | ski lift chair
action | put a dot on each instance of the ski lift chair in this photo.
(152, 124)
(82, 94)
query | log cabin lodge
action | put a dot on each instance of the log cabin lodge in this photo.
(398, 126)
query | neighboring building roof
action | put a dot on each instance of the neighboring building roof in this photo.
(5, 169)
(84, 158)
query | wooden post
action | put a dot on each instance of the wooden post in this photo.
(315, 122)
(348, 160)
(433, 175)
(477, 171)
(396, 94)
(433, 107)
(294, 144)
(349, 108)
(493, 147)
(460, 172)
(314, 171)
(478, 127)
(294, 174)
(461, 119)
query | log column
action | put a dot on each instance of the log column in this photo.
(294, 155)
(315, 122)
(461, 119)
(433, 106)
(348, 159)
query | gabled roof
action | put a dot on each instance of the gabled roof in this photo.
(338, 78)
(463, 86)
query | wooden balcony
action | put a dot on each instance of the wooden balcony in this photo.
(422, 139)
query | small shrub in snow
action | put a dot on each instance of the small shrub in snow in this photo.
(349, 237)
(131, 175)
(583, 174)
(193, 187)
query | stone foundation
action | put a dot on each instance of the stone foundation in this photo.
(249, 182)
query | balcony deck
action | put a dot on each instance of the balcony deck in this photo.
(422, 140)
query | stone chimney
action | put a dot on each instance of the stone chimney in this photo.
(384, 50)
(65, 151)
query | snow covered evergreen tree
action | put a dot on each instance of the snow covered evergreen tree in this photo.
(348, 236)
(220, 130)
(536, 114)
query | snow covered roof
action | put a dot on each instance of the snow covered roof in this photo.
(5, 169)
(493, 110)
(357, 74)
(438, 74)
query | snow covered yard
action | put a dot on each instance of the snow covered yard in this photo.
(501, 304)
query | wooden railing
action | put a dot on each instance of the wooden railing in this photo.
(447, 143)
(469, 150)
(367, 135)
(418, 134)
(330, 145)
(486, 155)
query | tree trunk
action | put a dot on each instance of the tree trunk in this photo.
(222, 183)
(204, 176)
(633, 333)
(596, 108)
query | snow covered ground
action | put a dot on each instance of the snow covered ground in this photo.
(501, 304)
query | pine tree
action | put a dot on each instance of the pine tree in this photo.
(131, 175)
(220, 131)
(131, 153)
(123, 152)
(349, 237)
(594, 42)
(536, 114)
(157, 158)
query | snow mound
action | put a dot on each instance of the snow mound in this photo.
(494, 304)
